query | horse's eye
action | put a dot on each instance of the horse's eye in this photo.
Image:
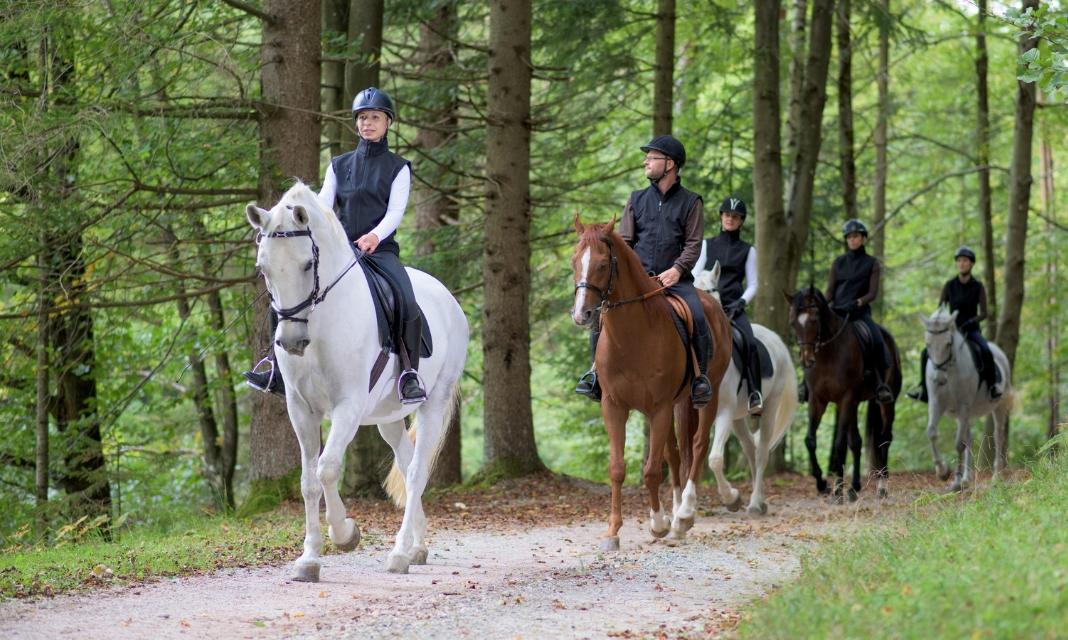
(308, 265)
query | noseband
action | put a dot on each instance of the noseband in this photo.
(941, 366)
(819, 344)
(607, 291)
(314, 298)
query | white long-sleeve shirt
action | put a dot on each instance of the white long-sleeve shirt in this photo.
(750, 271)
(398, 200)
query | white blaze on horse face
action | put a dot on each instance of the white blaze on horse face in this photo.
(580, 293)
(803, 318)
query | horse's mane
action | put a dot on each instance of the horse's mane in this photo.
(630, 265)
(301, 194)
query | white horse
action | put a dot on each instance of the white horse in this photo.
(328, 347)
(756, 435)
(954, 389)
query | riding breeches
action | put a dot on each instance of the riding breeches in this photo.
(877, 357)
(987, 370)
(408, 322)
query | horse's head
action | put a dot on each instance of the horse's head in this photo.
(594, 269)
(938, 336)
(288, 258)
(708, 280)
(807, 311)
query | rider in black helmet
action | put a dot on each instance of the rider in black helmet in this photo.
(967, 296)
(737, 286)
(853, 284)
(368, 189)
(664, 224)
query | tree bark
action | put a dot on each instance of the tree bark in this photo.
(982, 136)
(795, 39)
(334, 98)
(1019, 203)
(878, 221)
(1053, 368)
(847, 162)
(289, 146)
(437, 205)
(43, 397)
(365, 33)
(510, 448)
(663, 86)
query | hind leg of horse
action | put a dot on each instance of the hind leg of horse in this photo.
(728, 495)
(855, 446)
(403, 448)
(845, 420)
(660, 428)
(816, 407)
(306, 426)
(881, 449)
(934, 414)
(671, 455)
(615, 425)
(344, 422)
(410, 544)
(760, 446)
(963, 475)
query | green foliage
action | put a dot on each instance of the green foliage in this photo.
(1047, 64)
(979, 565)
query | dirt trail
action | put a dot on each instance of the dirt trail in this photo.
(504, 577)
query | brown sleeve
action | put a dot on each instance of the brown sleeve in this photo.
(626, 223)
(832, 282)
(695, 233)
(873, 284)
(982, 306)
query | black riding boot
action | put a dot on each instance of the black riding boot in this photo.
(409, 386)
(269, 381)
(701, 388)
(802, 391)
(756, 398)
(991, 375)
(919, 392)
(588, 385)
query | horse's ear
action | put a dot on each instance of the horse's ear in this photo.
(257, 217)
(300, 215)
(716, 269)
(787, 297)
(953, 316)
(611, 225)
(923, 318)
(579, 227)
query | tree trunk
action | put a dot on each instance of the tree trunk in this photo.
(436, 204)
(1053, 368)
(663, 85)
(982, 135)
(1019, 203)
(334, 98)
(289, 146)
(43, 398)
(795, 39)
(878, 221)
(847, 162)
(365, 33)
(510, 448)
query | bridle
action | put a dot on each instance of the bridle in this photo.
(819, 344)
(613, 269)
(941, 366)
(315, 297)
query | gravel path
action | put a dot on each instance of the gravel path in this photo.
(522, 582)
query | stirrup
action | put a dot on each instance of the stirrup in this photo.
(802, 391)
(253, 378)
(589, 386)
(883, 394)
(700, 400)
(756, 408)
(404, 377)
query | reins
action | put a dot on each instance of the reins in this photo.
(613, 269)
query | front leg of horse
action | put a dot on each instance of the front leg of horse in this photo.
(306, 567)
(671, 456)
(855, 446)
(846, 412)
(615, 424)
(343, 425)
(964, 459)
(816, 408)
(660, 428)
(934, 413)
(1001, 418)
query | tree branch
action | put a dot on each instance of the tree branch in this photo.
(247, 8)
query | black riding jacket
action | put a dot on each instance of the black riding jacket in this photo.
(854, 276)
(364, 180)
(732, 253)
(968, 299)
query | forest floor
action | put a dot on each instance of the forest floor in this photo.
(518, 560)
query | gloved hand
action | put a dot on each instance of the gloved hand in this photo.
(735, 307)
(969, 325)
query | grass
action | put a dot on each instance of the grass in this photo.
(198, 546)
(993, 564)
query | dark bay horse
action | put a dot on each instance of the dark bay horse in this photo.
(832, 357)
(642, 365)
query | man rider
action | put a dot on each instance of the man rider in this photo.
(664, 224)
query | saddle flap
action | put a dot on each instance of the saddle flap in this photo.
(384, 298)
(767, 370)
(682, 311)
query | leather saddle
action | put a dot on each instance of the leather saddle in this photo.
(683, 318)
(863, 333)
(384, 298)
(766, 368)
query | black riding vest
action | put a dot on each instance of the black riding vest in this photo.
(963, 297)
(364, 179)
(853, 276)
(660, 226)
(732, 252)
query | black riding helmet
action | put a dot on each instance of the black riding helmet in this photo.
(670, 147)
(373, 98)
(854, 226)
(735, 205)
(965, 252)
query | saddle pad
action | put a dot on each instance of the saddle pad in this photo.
(766, 368)
(382, 297)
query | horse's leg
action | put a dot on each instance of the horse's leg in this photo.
(757, 462)
(816, 407)
(403, 448)
(660, 428)
(1001, 416)
(728, 495)
(855, 443)
(934, 414)
(881, 448)
(306, 426)
(615, 424)
(845, 419)
(959, 481)
(344, 422)
(671, 455)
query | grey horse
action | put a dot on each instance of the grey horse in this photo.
(955, 390)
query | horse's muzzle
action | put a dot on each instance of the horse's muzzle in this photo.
(294, 348)
(583, 318)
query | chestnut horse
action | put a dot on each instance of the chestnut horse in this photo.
(834, 370)
(642, 364)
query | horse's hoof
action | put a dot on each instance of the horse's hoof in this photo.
(659, 534)
(942, 471)
(954, 487)
(835, 499)
(883, 493)
(610, 543)
(736, 505)
(677, 534)
(354, 539)
(685, 524)
(852, 494)
(821, 487)
(757, 510)
(306, 572)
(419, 555)
(397, 563)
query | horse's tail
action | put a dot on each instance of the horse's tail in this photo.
(784, 413)
(394, 483)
